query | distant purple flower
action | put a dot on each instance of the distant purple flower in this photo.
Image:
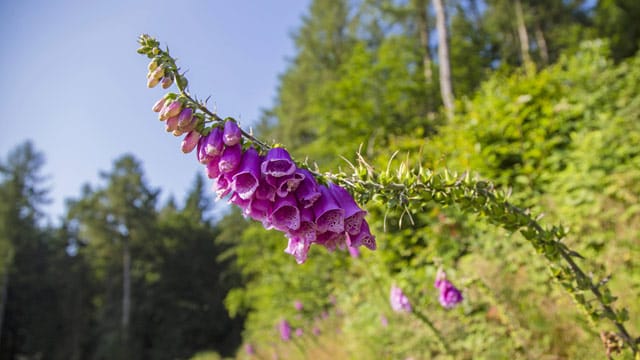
(285, 330)
(316, 331)
(450, 296)
(278, 163)
(399, 301)
(299, 332)
(384, 321)
(232, 133)
(332, 300)
(249, 349)
(298, 305)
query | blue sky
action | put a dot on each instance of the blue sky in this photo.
(73, 83)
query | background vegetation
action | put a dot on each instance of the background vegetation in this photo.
(547, 103)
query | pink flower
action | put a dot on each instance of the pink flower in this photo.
(450, 296)
(399, 301)
(384, 321)
(285, 330)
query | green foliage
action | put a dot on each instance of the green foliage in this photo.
(546, 136)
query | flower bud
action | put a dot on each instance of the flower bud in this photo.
(214, 144)
(172, 124)
(190, 141)
(185, 117)
(152, 82)
(159, 105)
(152, 65)
(157, 73)
(191, 125)
(166, 82)
(232, 133)
(170, 110)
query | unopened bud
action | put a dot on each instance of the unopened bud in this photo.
(166, 82)
(155, 51)
(232, 133)
(152, 82)
(159, 105)
(152, 65)
(189, 125)
(172, 124)
(157, 73)
(184, 119)
(190, 141)
(170, 110)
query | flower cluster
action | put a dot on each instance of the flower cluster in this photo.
(270, 187)
(450, 296)
(285, 330)
(399, 301)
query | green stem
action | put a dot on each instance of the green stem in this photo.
(443, 345)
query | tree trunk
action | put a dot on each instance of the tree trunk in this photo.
(446, 88)
(423, 30)
(522, 34)
(542, 44)
(126, 292)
